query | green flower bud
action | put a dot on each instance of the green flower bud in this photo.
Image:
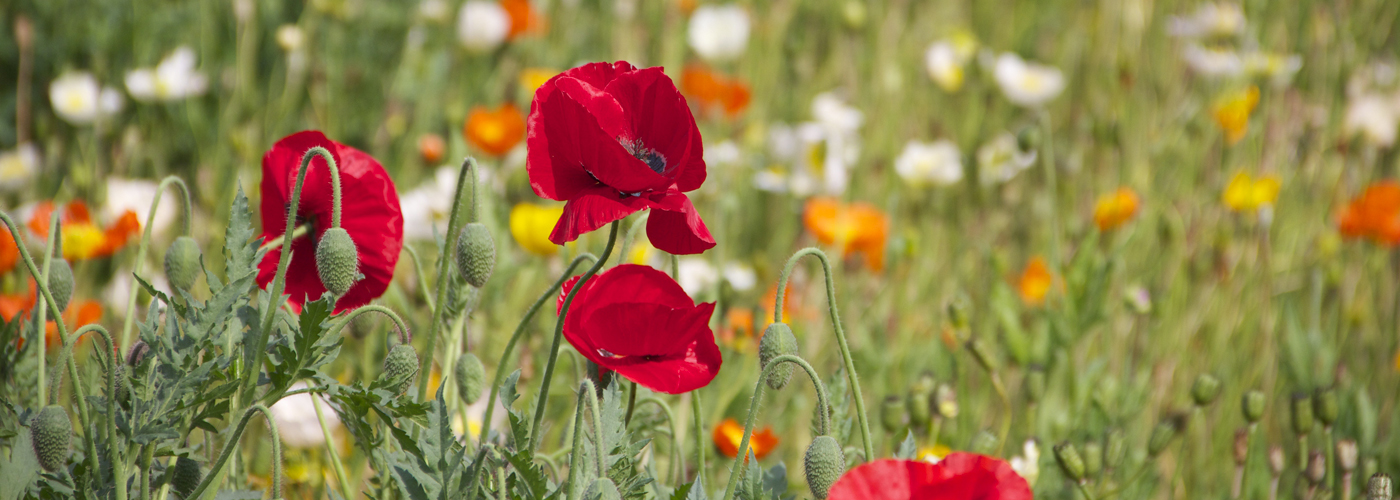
(1302, 413)
(1093, 458)
(1028, 139)
(603, 489)
(1114, 448)
(983, 354)
(984, 443)
(182, 266)
(1325, 406)
(1035, 384)
(1252, 404)
(777, 340)
(137, 354)
(1379, 487)
(920, 409)
(1205, 390)
(186, 477)
(52, 435)
(476, 254)
(471, 377)
(892, 414)
(824, 463)
(1071, 463)
(61, 283)
(958, 312)
(1162, 435)
(400, 366)
(337, 262)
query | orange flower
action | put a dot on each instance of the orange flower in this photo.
(714, 90)
(1232, 111)
(78, 314)
(12, 304)
(1035, 281)
(431, 147)
(857, 227)
(738, 328)
(729, 433)
(1375, 214)
(524, 19)
(82, 239)
(495, 132)
(1116, 208)
(9, 251)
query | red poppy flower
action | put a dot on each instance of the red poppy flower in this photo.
(369, 212)
(612, 139)
(638, 322)
(960, 476)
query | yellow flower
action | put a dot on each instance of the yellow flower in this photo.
(532, 78)
(1232, 111)
(1245, 194)
(530, 225)
(932, 454)
(1116, 208)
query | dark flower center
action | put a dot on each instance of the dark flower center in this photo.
(649, 156)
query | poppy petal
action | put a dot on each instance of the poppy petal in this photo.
(661, 120)
(591, 210)
(633, 327)
(675, 227)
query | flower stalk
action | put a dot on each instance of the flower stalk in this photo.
(186, 211)
(823, 406)
(454, 225)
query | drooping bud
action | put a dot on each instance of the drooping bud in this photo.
(603, 489)
(337, 261)
(1317, 468)
(892, 414)
(1205, 389)
(61, 283)
(1071, 463)
(824, 463)
(1325, 406)
(777, 340)
(946, 401)
(984, 443)
(1162, 435)
(1252, 405)
(400, 366)
(186, 477)
(52, 435)
(1378, 487)
(1347, 455)
(1035, 384)
(182, 266)
(137, 353)
(1302, 413)
(476, 254)
(983, 354)
(1093, 458)
(1276, 462)
(471, 377)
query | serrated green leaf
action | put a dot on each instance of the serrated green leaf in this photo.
(241, 253)
(907, 448)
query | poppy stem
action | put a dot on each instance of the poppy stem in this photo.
(823, 407)
(559, 332)
(836, 327)
(282, 240)
(330, 448)
(631, 405)
(677, 455)
(699, 418)
(216, 472)
(39, 323)
(515, 337)
(587, 393)
(185, 211)
(422, 279)
(454, 225)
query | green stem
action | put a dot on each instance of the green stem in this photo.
(823, 408)
(677, 456)
(541, 401)
(1005, 431)
(631, 405)
(1084, 490)
(515, 337)
(282, 240)
(422, 279)
(840, 335)
(454, 224)
(147, 456)
(345, 489)
(699, 418)
(185, 210)
(39, 322)
(1047, 160)
(1248, 454)
(587, 393)
(232, 445)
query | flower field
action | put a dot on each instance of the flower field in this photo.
(699, 249)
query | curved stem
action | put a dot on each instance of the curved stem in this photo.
(39, 322)
(404, 336)
(186, 211)
(835, 326)
(559, 331)
(65, 357)
(330, 449)
(743, 452)
(454, 224)
(677, 455)
(422, 279)
(515, 337)
(218, 466)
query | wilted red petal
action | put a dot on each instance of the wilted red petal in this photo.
(675, 227)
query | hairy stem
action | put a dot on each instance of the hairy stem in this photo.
(216, 470)
(823, 408)
(185, 211)
(454, 224)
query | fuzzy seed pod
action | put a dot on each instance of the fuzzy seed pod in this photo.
(892, 414)
(1093, 458)
(1378, 487)
(471, 377)
(1325, 406)
(824, 463)
(1205, 389)
(400, 366)
(61, 283)
(603, 489)
(1252, 405)
(919, 407)
(1162, 435)
(337, 261)
(1071, 463)
(182, 263)
(476, 254)
(186, 477)
(52, 434)
(1302, 413)
(1035, 384)
(137, 353)
(777, 340)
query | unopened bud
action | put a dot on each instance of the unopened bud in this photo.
(919, 408)
(1114, 448)
(476, 254)
(1302, 413)
(1276, 460)
(1241, 446)
(983, 354)
(1317, 468)
(958, 312)
(1325, 406)
(946, 401)
(137, 354)
(400, 366)
(892, 414)
(61, 283)
(182, 266)
(1035, 384)
(1093, 458)
(1162, 435)
(1378, 488)
(1028, 139)
(777, 340)
(471, 378)
(1347, 454)
(823, 464)
(1205, 389)
(1071, 463)
(337, 261)
(1252, 405)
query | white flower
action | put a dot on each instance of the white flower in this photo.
(1374, 117)
(79, 99)
(1210, 20)
(137, 195)
(290, 37)
(1000, 159)
(719, 33)
(740, 276)
(946, 60)
(425, 208)
(435, 11)
(695, 274)
(482, 26)
(1212, 62)
(18, 166)
(296, 419)
(724, 153)
(1027, 84)
(1027, 465)
(834, 114)
(938, 163)
(171, 80)
(1278, 69)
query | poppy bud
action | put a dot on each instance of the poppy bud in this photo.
(1070, 462)
(777, 340)
(892, 414)
(946, 401)
(186, 477)
(1276, 462)
(1114, 449)
(476, 254)
(61, 283)
(1325, 406)
(1378, 488)
(399, 368)
(919, 408)
(603, 489)
(1028, 139)
(1162, 435)
(52, 435)
(1093, 458)
(182, 263)
(1035, 384)
(1346, 455)
(137, 354)
(471, 377)
(1302, 413)
(1317, 468)
(983, 354)
(824, 463)
(337, 262)
(1252, 404)
(1205, 389)
(984, 443)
